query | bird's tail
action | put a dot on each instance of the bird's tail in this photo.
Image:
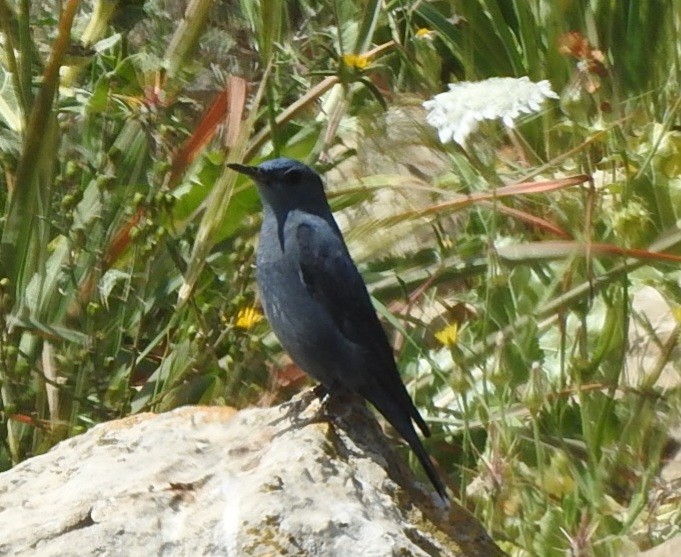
(401, 419)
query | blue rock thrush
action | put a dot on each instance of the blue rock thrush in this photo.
(318, 304)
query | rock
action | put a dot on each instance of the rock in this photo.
(214, 481)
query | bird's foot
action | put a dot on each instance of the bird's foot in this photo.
(300, 402)
(324, 395)
(331, 405)
(322, 392)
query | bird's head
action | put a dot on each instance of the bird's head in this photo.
(286, 184)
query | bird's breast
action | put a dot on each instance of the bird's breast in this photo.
(302, 326)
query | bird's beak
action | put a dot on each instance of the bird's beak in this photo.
(252, 171)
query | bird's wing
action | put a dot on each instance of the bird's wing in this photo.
(332, 279)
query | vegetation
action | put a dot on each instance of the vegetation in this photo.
(126, 252)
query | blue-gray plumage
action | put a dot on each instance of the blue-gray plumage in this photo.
(317, 303)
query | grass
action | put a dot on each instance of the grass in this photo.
(127, 248)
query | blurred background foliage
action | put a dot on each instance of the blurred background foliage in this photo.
(507, 272)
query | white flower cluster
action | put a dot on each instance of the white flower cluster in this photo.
(457, 112)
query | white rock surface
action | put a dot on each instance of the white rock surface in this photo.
(213, 481)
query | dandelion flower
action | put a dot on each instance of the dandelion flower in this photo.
(449, 335)
(424, 33)
(357, 61)
(247, 318)
(457, 113)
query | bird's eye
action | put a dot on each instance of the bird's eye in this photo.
(293, 176)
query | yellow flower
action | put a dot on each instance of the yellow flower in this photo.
(359, 61)
(247, 317)
(424, 33)
(449, 335)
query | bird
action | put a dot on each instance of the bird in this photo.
(317, 303)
